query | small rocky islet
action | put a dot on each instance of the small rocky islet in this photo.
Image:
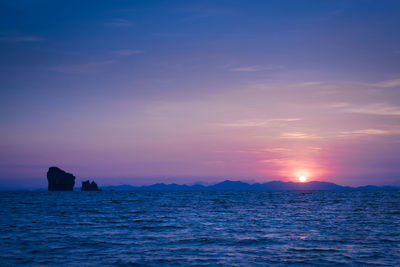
(60, 180)
(89, 186)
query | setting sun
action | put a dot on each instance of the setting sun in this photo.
(302, 179)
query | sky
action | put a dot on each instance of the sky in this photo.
(139, 92)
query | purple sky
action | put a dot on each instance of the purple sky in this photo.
(187, 91)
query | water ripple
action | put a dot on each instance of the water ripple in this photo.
(200, 228)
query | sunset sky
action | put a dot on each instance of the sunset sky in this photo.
(138, 92)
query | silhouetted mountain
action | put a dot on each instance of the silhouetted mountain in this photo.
(314, 185)
(242, 186)
(156, 187)
(232, 186)
(124, 187)
(374, 187)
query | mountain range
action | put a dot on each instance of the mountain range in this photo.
(242, 186)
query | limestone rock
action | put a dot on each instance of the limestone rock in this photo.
(89, 186)
(59, 180)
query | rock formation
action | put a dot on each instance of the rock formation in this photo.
(89, 186)
(60, 180)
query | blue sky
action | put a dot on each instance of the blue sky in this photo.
(181, 91)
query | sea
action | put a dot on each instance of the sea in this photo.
(226, 228)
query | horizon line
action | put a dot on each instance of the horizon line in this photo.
(204, 184)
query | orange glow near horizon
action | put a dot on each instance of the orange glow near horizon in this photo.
(302, 175)
(302, 179)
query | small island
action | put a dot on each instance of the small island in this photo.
(89, 186)
(59, 180)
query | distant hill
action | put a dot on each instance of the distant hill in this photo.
(242, 186)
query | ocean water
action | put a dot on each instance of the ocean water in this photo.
(200, 228)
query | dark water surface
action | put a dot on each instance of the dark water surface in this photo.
(200, 228)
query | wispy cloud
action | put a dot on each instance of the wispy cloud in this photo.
(284, 161)
(339, 105)
(285, 119)
(127, 52)
(297, 135)
(277, 149)
(371, 131)
(119, 23)
(255, 68)
(21, 39)
(374, 109)
(364, 132)
(256, 122)
(311, 83)
(388, 83)
(243, 123)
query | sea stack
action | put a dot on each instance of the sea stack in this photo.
(89, 186)
(60, 180)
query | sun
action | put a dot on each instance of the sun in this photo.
(302, 179)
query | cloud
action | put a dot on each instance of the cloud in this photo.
(276, 149)
(243, 123)
(371, 131)
(371, 109)
(339, 105)
(375, 109)
(21, 39)
(297, 135)
(286, 119)
(388, 83)
(365, 132)
(311, 83)
(119, 23)
(127, 52)
(256, 68)
(256, 122)
(285, 162)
